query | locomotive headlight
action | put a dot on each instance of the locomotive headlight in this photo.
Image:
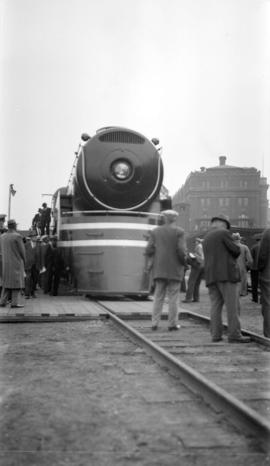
(121, 170)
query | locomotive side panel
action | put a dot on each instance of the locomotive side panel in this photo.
(107, 252)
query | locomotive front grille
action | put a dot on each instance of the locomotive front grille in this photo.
(122, 136)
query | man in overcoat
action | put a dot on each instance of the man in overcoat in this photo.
(13, 257)
(222, 277)
(2, 230)
(166, 251)
(264, 279)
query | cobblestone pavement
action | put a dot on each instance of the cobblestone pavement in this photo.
(80, 394)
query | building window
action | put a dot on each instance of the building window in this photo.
(224, 202)
(224, 183)
(243, 221)
(245, 201)
(240, 201)
(243, 184)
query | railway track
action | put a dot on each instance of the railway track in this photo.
(233, 379)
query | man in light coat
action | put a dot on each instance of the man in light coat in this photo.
(222, 277)
(13, 262)
(166, 251)
(264, 279)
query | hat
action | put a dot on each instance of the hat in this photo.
(236, 236)
(170, 213)
(222, 218)
(200, 240)
(11, 223)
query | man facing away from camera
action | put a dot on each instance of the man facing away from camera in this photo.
(166, 251)
(222, 277)
(264, 279)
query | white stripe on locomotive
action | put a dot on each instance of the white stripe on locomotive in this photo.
(105, 226)
(102, 242)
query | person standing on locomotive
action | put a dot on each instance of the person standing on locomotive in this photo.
(45, 219)
(166, 251)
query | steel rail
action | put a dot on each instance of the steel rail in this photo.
(206, 320)
(238, 413)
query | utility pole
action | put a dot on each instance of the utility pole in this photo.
(11, 192)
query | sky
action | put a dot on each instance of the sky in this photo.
(193, 73)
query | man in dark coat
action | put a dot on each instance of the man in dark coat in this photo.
(264, 279)
(45, 219)
(2, 230)
(254, 272)
(13, 257)
(166, 251)
(222, 277)
(54, 265)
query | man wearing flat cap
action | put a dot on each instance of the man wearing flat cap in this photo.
(167, 251)
(222, 277)
(13, 257)
(244, 261)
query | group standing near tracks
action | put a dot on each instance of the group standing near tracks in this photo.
(77, 391)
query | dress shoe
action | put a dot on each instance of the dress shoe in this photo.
(239, 340)
(186, 301)
(154, 327)
(195, 301)
(3, 305)
(215, 340)
(174, 327)
(17, 305)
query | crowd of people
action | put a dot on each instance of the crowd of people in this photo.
(220, 258)
(28, 263)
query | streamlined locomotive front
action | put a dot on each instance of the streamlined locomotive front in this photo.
(111, 203)
(117, 169)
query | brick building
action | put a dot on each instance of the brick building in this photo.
(240, 193)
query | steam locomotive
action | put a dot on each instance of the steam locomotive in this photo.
(103, 217)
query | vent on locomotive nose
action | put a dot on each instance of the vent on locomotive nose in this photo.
(122, 170)
(122, 137)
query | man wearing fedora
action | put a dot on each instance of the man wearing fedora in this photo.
(264, 279)
(13, 262)
(222, 277)
(166, 251)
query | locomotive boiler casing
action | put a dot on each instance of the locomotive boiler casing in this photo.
(117, 169)
(105, 216)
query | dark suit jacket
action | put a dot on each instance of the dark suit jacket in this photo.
(166, 246)
(220, 254)
(264, 256)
